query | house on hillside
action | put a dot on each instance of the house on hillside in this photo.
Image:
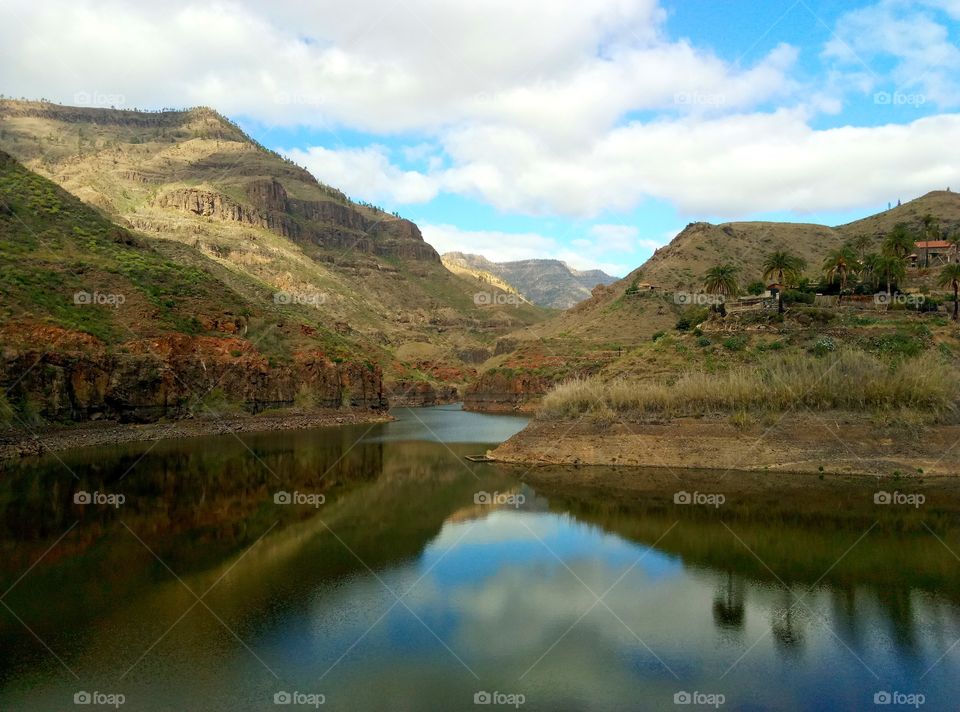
(640, 287)
(930, 253)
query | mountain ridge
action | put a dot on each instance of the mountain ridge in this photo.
(194, 177)
(547, 282)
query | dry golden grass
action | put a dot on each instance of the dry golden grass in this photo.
(849, 380)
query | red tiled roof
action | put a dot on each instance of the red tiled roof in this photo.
(933, 244)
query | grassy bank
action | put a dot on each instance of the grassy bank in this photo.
(848, 380)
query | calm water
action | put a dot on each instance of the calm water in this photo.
(399, 591)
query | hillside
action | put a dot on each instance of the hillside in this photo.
(96, 321)
(680, 264)
(549, 283)
(595, 334)
(193, 177)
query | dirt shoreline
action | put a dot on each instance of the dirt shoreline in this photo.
(19, 443)
(838, 443)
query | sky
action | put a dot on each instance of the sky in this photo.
(588, 131)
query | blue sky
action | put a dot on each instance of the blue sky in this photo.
(591, 132)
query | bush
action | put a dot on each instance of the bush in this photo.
(692, 316)
(897, 345)
(825, 345)
(756, 288)
(659, 335)
(795, 296)
(735, 343)
(703, 341)
(814, 315)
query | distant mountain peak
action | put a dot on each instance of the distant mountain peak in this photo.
(546, 282)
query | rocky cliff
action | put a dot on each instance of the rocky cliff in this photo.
(178, 376)
(324, 224)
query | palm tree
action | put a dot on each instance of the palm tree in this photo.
(950, 277)
(899, 242)
(931, 231)
(885, 268)
(722, 281)
(787, 267)
(840, 263)
(860, 244)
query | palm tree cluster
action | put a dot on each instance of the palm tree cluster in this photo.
(852, 262)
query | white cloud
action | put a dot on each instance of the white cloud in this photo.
(374, 65)
(725, 166)
(366, 173)
(525, 106)
(925, 58)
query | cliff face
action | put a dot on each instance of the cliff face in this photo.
(178, 375)
(499, 392)
(326, 225)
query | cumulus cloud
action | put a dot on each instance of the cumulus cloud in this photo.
(546, 107)
(917, 41)
(726, 166)
(366, 173)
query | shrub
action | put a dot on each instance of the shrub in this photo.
(692, 316)
(735, 343)
(756, 288)
(703, 341)
(898, 345)
(795, 296)
(659, 335)
(825, 345)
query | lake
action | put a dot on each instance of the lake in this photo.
(374, 568)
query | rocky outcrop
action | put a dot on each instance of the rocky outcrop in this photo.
(324, 224)
(506, 391)
(178, 375)
(268, 194)
(418, 394)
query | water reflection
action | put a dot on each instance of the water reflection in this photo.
(402, 592)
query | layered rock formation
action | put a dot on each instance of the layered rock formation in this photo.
(177, 376)
(327, 225)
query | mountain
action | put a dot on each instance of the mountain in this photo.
(97, 321)
(620, 317)
(549, 283)
(699, 246)
(193, 177)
